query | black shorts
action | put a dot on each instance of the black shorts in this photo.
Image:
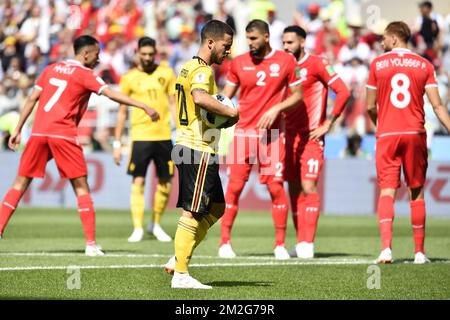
(199, 181)
(142, 152)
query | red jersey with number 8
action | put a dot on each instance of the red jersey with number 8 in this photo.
(400, 78)
(65, 91)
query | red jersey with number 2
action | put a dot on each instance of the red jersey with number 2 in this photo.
(65, 91)
(263, 84)
(400, 78)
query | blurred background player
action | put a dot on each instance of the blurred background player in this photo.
(264, 76)
(306, 127)
(153, 85)
(62, 92)
(397, 82)
(195, 152)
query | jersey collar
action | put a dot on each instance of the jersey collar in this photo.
(73, 61)
(304, 58)
(401, 49)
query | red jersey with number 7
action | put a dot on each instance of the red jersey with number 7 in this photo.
(400, 78)
(65, 91)
(263, 84)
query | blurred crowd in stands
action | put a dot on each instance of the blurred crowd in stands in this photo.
(35, 33)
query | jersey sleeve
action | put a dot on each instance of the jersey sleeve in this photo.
(326, 72)
(124, 85)
(372, 81)
(431, 79)
(201, 78)
(232, 74)
(42, 80)
(94, 83)
(293, 73)
(171, 83)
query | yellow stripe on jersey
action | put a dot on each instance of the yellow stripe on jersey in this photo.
(152, 89)
(195, 74)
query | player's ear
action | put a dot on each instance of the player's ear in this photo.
(210, 43)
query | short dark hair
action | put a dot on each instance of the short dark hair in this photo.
(299, 31)
(257, 24)
(215, 30)
(83, 41)
(146, 41)
(400, 29)
(427, 4)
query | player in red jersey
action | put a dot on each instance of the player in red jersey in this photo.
(397, 82)
(264, 77)
(306, 127)
(63, 92)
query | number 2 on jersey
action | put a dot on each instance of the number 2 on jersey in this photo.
(261, 75)
(61, 85)
(400, 89)
(181, 100)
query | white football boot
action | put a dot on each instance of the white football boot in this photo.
(94, 251)
(421, 258)
(169, 267)
(281, 253)
(160, 234)
(304, 250)
(226, 251)
(185, 281)
(137, 235)
(385, 257)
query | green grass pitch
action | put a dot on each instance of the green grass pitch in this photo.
(40, 245)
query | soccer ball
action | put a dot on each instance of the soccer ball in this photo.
(212, 120)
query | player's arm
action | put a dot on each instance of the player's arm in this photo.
(439, 108)
(14, 140)
(371, 98)
(117, 145)
(202, 98)
(126, 100)
(342, 96)
(229, 90)
(268, 118)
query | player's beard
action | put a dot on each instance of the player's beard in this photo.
(148, 66)
(216, 58)
(257, 53)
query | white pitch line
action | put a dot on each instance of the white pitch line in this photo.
(127, 255)
(198, 265)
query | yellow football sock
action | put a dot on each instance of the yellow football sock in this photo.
(204, 225)
(137, 201)
(185, 242)
(162, 194)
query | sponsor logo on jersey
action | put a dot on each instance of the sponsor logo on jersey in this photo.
(248, 68)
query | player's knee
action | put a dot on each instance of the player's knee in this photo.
(164, 187)
(21, 183)
(234, 190)
(277, 193)
(139, 181)
(309, 188)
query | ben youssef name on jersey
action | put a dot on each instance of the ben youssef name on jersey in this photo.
(409, 62)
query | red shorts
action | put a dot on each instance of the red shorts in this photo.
(394, 152)
(267, 151)
(39, 150)
(304, 158)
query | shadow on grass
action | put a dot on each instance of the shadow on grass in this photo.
(241, 284)
(411, 261)
(316, 255)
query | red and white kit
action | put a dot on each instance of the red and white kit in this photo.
(400, 78)
(304, 157)
(65, 91)
(262, 85)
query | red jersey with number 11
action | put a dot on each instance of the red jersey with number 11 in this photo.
(400, 78)
(65, 91)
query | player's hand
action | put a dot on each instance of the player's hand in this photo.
(117, 154)
(318, 133)
(14, 140)
(268, 118)
(152, 113)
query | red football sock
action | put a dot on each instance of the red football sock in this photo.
(418, 218)
(311, 216)
(87, 216)
(9, 205)
(385, 220)
(300, 224)
(234, 190)
(279, 211)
